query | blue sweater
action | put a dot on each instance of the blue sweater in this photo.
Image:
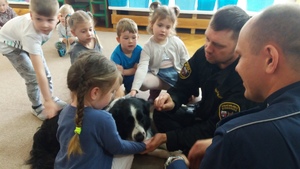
(99, 140)
(261, 138)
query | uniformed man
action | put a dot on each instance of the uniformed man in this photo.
(212, 68)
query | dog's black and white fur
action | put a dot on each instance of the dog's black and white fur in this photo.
(132, 116)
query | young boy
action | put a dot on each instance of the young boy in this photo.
(21, 40)
(127, 54)
(64, 33)
(6, 12)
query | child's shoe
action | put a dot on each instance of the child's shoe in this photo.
(38, 112)
(61, 52)
(59, 102)
(60, 49)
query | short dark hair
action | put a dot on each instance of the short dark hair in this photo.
(278, 24)
(229, 18)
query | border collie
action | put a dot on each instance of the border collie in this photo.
(132, 116)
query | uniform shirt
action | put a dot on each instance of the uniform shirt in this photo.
(222, 95)
(152, 56)
(77, 49)
(20, 33)
(99, 140)
(6, 16)
(268, 137)
(120, 58)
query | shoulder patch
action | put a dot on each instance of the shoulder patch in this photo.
(185, 71)
(228, 108)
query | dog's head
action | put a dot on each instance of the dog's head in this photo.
(132, 116)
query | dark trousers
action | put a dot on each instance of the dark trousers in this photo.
(172, 120)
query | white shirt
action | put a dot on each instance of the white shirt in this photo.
(20, 33)
(153, 54)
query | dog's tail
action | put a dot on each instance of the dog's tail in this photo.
(45, 145)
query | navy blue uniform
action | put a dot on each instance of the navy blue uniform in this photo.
(222, 95)
(268, 137)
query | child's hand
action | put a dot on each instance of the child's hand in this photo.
(154, 142)
(120, 68)
(51, 108)
(72, 40)
(64, 40)
(132, 93)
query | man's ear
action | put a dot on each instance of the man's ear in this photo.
(271, 58)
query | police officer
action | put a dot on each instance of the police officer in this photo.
(211, 68)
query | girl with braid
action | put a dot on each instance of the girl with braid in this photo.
(82, 26)
(87, 134)
(64, 33)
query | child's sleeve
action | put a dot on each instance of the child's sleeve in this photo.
(113, 143)
(115, 57)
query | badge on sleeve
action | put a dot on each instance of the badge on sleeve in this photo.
(185, 71)
(228, 108)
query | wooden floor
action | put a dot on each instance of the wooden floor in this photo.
(191, 41)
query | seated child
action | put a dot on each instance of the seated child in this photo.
(65, 36)
(127, 54)
(82, 26)
(163, 55)
(6, 12)
(88, 134)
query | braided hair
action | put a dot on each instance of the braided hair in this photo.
(92, 69)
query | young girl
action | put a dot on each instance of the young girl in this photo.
(82, 26)
(162, 56)
(87, 134)
(6, 12)
(65, 36)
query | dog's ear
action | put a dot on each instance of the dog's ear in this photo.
(146, 106)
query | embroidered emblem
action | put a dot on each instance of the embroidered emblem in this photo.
(185, 71)
(218, 93)
(228, 108)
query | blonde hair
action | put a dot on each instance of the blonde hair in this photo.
(160, 12)
(126, 24)
(44, 7)
(66, 9)
(79, 17)
(92, 69)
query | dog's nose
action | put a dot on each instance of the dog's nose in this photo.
(139, 137)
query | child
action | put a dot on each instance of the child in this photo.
(6, 12)
(93, 80)
(82, 26)
(127, 54)
(65, 36)
(21, 40)
(163, 55)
